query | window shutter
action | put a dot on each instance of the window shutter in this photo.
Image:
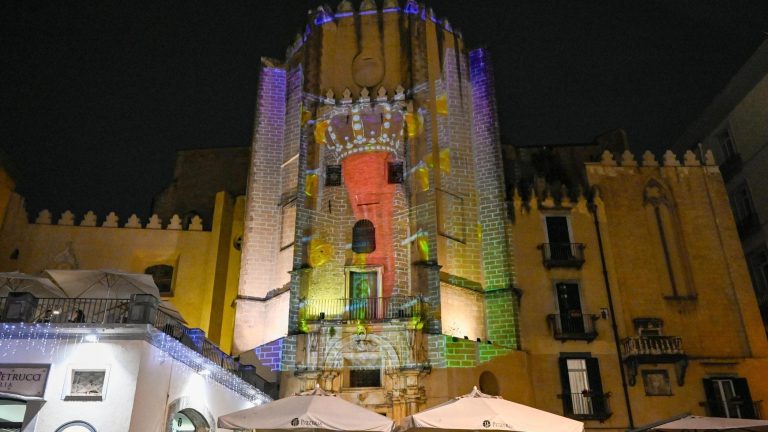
(566, 386)
(714, 401)
(741, 389)
(595, 385)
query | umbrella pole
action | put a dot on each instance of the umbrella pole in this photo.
(106, 303)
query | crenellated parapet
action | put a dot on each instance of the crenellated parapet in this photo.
(669, 159)
(112, 220)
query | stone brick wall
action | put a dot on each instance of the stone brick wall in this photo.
(270, 354)
(501, 309)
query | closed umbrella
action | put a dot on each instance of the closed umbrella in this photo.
(39, 287)
(315, 410)
(479, 411)
(699, 423)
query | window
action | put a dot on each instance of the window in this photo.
(582, 388)
(648, 326)
(333, 175)
(76, 426)
(363, 237)
(726, 145)
(758, 268)
(559, 237)
(12, 413)
(569, 307)
(363, 292)
(728, 397)
(395, 173)
(86, 385)
(162, 274)
(365, 378)
(744, 210)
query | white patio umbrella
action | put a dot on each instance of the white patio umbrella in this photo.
(699, 423)
(481, 412)
(103, 283)
(169, 309)
(314, 410)
(40, 287)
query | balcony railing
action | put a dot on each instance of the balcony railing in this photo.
(734, 409)
(573, 326)
(652, 346)
(562, 254)
(587, 405)
(367, 309)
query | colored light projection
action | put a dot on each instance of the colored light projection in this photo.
(359, 129)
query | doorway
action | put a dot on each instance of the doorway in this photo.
(189, 420)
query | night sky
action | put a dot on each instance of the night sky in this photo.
(96, 96)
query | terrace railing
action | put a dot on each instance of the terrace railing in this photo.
(364, 309)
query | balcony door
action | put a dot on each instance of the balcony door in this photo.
(569, 307)
(363, 291)
(729, 397)
(559, 237)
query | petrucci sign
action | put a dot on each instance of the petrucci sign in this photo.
(24, 380)
(297, 422)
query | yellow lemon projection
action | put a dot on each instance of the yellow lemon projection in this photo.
(441, 104)
(306, 115)
(422, 176)
(310, 187)
(320, 252)
(320, 129)
(414, 123)
(445, 160)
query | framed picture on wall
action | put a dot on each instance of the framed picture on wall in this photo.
(656, 382)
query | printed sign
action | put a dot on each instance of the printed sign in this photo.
(24, 380)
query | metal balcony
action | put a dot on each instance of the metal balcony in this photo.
(571, 326)
(569, 255)
(363, 309)
(654, 349)
(587, 405)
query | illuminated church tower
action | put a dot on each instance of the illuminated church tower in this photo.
(375, 235)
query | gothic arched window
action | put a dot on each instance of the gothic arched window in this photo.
(363, 237)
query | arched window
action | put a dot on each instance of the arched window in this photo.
(76, 426)
(163, 277)
(363, 237)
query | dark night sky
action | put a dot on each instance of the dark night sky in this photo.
(96, 96)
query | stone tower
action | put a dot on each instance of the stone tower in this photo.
(375, 232)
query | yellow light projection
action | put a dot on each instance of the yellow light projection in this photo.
(445, 160)
(414, 123)
(422, 176)
(320, 252)
(310, 186)
(306, 115)
(320, 129)
(423, 244)
(441, 104)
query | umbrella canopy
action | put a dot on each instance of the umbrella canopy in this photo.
(315, 410)
(103, 283)
(40, 287)
(169, 309)
(479, 411)
(698, 423)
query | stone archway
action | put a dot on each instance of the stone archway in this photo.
(185, 416)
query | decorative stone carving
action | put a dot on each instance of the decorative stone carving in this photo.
(345, 6)
(689, 159)
(196, 224)
(346, 96)
(133, 222)
(446, 24)
(649, 159)
(709, 158)
(381, 95)
(154, 222)
(670, 159)
(655, 193)
(44, 217)
(89, 220)
(607, 159)
(66, 259)
(111, 220)
(367, 5)
(399, 93)
(391, 4)
(628, 159)
(175, 223)
(329, 97)
(365, 95)
(67, 218)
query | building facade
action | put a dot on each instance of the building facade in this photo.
(379, 253)
(733, 127)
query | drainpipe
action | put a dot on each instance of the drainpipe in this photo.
(593, 210)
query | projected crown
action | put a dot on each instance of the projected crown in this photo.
(363, 128)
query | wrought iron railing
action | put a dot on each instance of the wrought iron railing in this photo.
(368, 309)
(562, 254)
(587, 405)
(734, 408)
(652, 346)
(81, 310)
(569, 325)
